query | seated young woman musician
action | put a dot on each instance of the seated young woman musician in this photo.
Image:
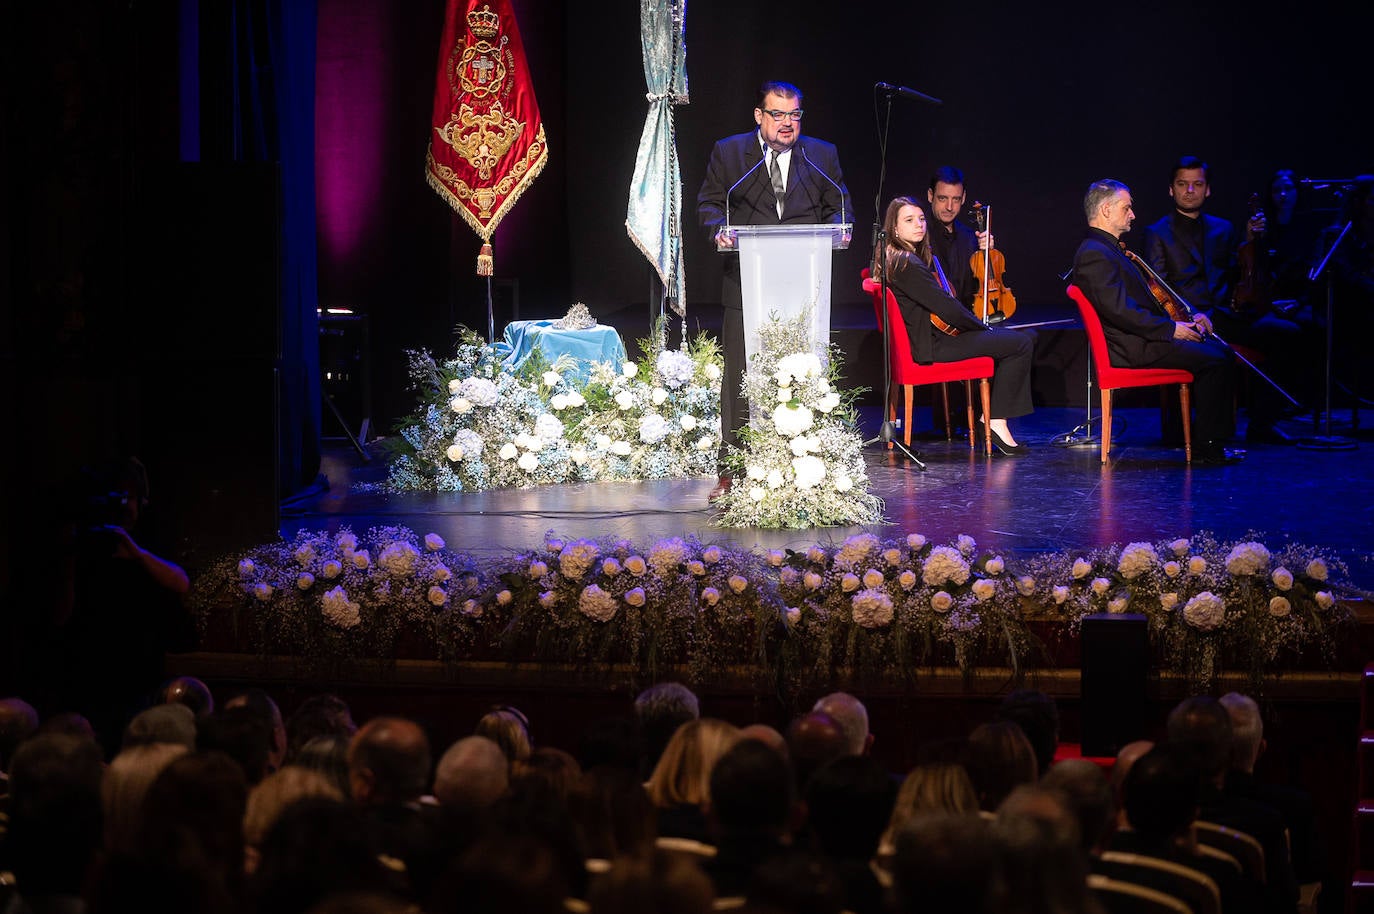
(943, 330)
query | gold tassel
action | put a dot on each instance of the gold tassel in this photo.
(485, 266)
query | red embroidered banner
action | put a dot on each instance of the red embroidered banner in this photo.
(488, 142)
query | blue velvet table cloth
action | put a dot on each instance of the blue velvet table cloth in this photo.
(594, 344)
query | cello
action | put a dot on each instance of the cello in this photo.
(994, 302)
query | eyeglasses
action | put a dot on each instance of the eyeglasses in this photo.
(784, 115)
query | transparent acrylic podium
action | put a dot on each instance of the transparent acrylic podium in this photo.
(784, 269)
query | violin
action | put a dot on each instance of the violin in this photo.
(1252, 293)
(1172, 303)
(994, 301)
(943, 280)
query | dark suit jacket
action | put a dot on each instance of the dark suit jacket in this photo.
(955, 250)
(1204, 276)
(919, 295)
(1136, 326)
(810, 197)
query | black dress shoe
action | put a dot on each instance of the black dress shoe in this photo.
(1212, 453)
(1268, 434)
(1007, 450)
(722, 486)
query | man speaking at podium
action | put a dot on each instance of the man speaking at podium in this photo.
(769, 176)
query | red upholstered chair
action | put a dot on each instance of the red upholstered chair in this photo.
(908, 374)
(1110, 377)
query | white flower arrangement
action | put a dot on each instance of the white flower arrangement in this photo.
(481, 427)
(880, 606)
(803, 454)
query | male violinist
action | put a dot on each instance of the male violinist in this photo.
(1196, 254)
(953, 242)
(1139, 332)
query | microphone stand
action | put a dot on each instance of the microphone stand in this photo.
(887, 430)
(1072, 438)
(1327, 441)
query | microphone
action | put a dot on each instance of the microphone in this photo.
(837, 187)
(738, 183)
(904, 92)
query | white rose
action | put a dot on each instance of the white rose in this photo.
(508, 451)
(774, 479)
(1316, 570)
(621, 448)
(696, 569)
(636, 565)
(635, 597)
(1280, 607)
(610, 567)
(712, 371)
(710, 596)
(755, 472)
(624, 399)
(711, 555)
(941, 601)
(305, 581)
(705, 443)
(738, 583)
(1179, 547)
(983, 590)
(1025, 585)
(784, 395)
(1081, 568)
(873, 577)
(1172, 569)
(792, 614)
(758, 493)
(246, 568)
(528, 462)
(792, 421)
(537, 569)
(433, 542)
(629, 369)
(601, 441)
(776, 557)
(472, 608)
(688, 422)
(552, 379)
(331, 570)
(453, 385)
(548, 599)
(558, 402)
(812, 581)
(1197, 565)
(1168, 600)
(816, 554)
(1282, 578)
(907, 579)
(995, 565)
(658, 396)
(578, 456)
(441, 574)
(361, 559)
(915, 541)
(1117, 605)
(1325, 600)
(843, 483)
(828, 402)
(1060, 594)
(809, 471)
(461, 405)
(263, 591)
(504, 598)
(850, 582)
(437, 596)
(575, 399)
(1100, 585)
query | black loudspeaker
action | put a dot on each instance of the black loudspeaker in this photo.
(1114, 677)
(206, 299)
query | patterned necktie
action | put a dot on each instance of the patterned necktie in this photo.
(775, 174)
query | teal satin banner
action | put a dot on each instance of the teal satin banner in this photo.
(594, 344)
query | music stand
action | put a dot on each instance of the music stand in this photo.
(1327, 441)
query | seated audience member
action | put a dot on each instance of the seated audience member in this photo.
(1247, 730)
(472, 775)
(54, 829)
(1000, 759)
(1042, 860)
(660, 710)
(1038, 717)
(942, 787)
(946, 862)
(680, 788)
(69, 723)
(505, 874)
(329, 756)
(362, 903)
(18, 721)
(753, 813)
(318, 715)
(1088, 796)
(767, 735)
(613, 813)
(265, 709)
(655, 882)
(268, 800)
(852, 717)
(509, 729)
(125, 786)
(612, 742)
(554, 767)
(244, 736)
(849, 803)
(813, 740)
(1203, 728)
(1159, 803)
(191, 692)
(318, 848)
(797, 882)
(166, 723)
(531, 811)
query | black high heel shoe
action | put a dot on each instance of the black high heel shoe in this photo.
(1007, 450)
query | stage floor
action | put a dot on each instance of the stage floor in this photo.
(1055, 498)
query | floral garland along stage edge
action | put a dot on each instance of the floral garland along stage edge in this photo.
(481, 427)
(802, 463)
(876, 608)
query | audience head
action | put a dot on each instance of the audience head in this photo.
(614, 813)
(1201, 725)
(1089, 798)
(509, 728)
(125, 786)
(611, 742)
(242, 734)
(329, 756)
(752, 791)
(266, 710)
(1000, 758)
(191, 692)
(388, 762)
(318, 715)
(277, 793)
(1038, 717)
(554, 767)
(18, 721)
(941, 787)
(661, 709)
(814, 739)
(1160, 795)
(166, 723)
(1247, 730)
(945, 863)
(795, 882)
(473, 774)
(852, 717)
(767, 735)
(683, 772)
(505, 873)
(1128, 755)
(1044, 867)
(198, 801)
(69, 723)
(55, 820)
(653, 883)
(849, 803)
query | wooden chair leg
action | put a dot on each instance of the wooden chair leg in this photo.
(949, 427)
(985, 396)
(968, 400)
(1185, 404)
(909, 393)
(1106, 422)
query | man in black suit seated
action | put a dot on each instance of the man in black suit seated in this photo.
(1140, 333)
(1202, 727)
(754, 178)
(1196, 253)
(951, 240)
